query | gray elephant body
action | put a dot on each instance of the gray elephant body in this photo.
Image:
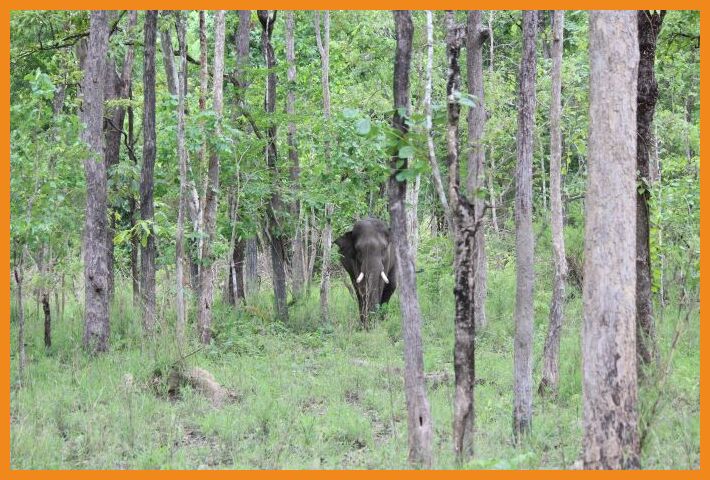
(367, 254)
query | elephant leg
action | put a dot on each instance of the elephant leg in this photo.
(387, 293)
(362, 310)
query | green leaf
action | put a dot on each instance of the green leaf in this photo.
(406, 151)
(363, 126)
(350, 113)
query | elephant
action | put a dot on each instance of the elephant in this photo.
(367, 254)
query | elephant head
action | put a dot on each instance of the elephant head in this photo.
(367, 254)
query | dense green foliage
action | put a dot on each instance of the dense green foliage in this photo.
(309, 394)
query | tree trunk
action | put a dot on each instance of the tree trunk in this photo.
(412, 206)
(44, 294)
(475, 36)
(435, 173)
(609, 334)
(209, 218)
(312, 250)
(117, 87)
(166, 45)
(420, 426)
(325, 267)
(96, 311)
(180, 86)
(135, 259)
(323, 43)
(491, 160)
(649, 25)
(20, 317)
(146, 186)
(198, 203)
(251, 270)
(465, 225)
(522, 409)
(236, 273)
(275, 230)
(297, 274)
(235, 284)
(551, 357)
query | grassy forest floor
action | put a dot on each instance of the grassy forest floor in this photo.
(310, 395)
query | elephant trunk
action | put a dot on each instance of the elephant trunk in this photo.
(372, 281)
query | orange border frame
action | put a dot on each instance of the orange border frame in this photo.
(335, 5)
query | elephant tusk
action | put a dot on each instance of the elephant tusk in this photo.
(384, 277)
(360, 277)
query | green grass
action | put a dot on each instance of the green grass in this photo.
(323, 396)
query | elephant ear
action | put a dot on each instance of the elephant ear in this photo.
(346, 243)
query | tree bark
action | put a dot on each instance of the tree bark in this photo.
(44, 294)
(275, 230)
(475, 36)
(251, 268)
(22, 363)
(649, 26)
(551, 357)
(522, 409)
(235, 282)
(297, 275)
(435, 172)
(420, 426)
(117, 87)
(180, 86)
(236, 274)
(135, 258)
(147, 172)
(412, 207)
(323, 42)
(465, 225)
(96, 311)
(209, 218)
(197, 205)
(609, 334)
(171, 72)
(325, 273)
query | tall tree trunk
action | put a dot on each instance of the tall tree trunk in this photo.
(22, 363)
(209, 219)
(609, 334)
(420, 425)
(297, 274)
(180, 86)
(166, 45)
(312, 250)
(475, 36)
(236, 264)
(551, 357)
(465, 225)
(274, 229)
(522, 409)
(96, 311)
(433, 162)
(236, 273)
(325, 267)
(649, 26)
(117, 87)
(197, 206)
(491, 160)
(45, 268)
(146, 186)
(251, 267)
(132, 209)
(412, 206)
(323, 42)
